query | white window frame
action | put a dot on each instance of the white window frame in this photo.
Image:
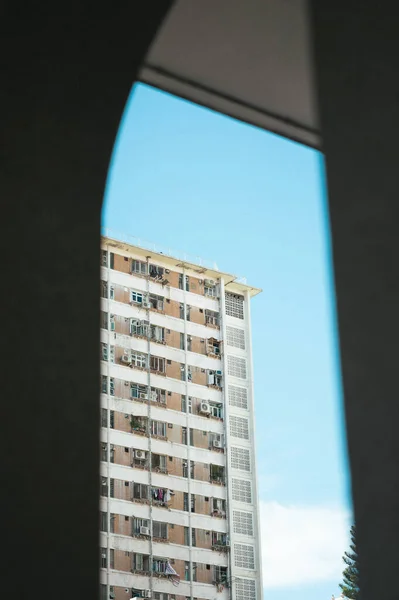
(139, 359)
(136, 297)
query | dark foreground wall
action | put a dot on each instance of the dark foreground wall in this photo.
(67, 71)
(357, 58)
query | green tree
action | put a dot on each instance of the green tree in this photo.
(350, 575)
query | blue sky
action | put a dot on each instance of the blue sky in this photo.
(185, 177)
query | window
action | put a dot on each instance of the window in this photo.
(182, 341)
(237, 366)
(104, 351)
(104, 558)
(140, 491)
(219, 539)
(185, 502)
(181, 311)
(191, 437)
(156, 272)
(104, 452)
(188, 310)
(112, 292)
(244, 556)
(104, 384)
(183, 372)
(139, 359)
(158, 395)
(104, 258)
(157, 302)
(234, 305)
(219, 505)
(139, 267)
(158, 428)
(104, 522)
(136, 297)
(139, 327)
(104, 289)
(111, 386)
(240, 459)
(241, 490)
(104, 320)
(158, 462)
(112, 322)
(111, 260)
(194, 567)
(216, 473)
(161, 596)
(157, 333)
(112, 488)
(216, 410)
(186, 279)
(184, 438)
(238, 397)
(220, 574)
(104, 487)
(160, 530)
(137, 524)
(141, 562)
(245, 589)
(104, 420)
(193, 537)
(235, 337)
(186, 571)
(189, 343)
(138, 391)
(210, 289)
(215, 378)
(211, 317)
(186, 536)
(157, 364)
(239, 427)
(243, 522)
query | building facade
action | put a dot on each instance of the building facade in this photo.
(179, 508)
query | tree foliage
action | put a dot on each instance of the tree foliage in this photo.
(350, 575)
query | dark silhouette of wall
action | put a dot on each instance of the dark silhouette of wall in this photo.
(67, 71)
(357, 59)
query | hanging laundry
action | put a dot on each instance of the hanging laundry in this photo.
(160, 495)
(167, 496)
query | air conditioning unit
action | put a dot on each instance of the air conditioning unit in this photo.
(205, 408)
(217, 444)
(143, 396)
(218, 373)
(147, 593)
(144, 531)
(139, 454)
(126, 359)
(147, 305)
(126, 383)
(209, 282)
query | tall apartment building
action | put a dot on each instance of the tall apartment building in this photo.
(179, 512)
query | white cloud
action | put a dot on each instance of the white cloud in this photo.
(302, 545)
